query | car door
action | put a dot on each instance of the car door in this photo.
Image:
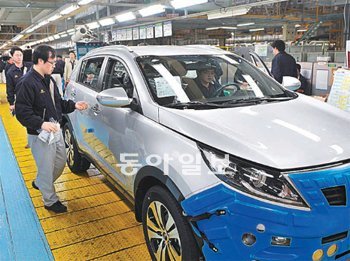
(124, 127)
(86, 125)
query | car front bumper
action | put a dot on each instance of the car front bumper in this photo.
(308, 230)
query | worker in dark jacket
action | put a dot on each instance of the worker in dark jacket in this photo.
(305, 87)
(8, 65)
(39, 108)
(15, 73)
(283, 64)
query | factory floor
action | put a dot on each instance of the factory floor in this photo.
(99, 223)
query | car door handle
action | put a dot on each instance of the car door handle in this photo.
(96, 109)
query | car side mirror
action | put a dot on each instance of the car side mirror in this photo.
(115, 97)
(291, 83)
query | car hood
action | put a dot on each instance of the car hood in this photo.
(299, 133)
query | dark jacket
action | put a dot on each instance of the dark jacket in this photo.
(207, 92)
(283, 64)
(34, 103)
(59, 67)
(13, 76)
(305, 87)
(7, 67)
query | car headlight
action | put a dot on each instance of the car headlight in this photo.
(254, 180)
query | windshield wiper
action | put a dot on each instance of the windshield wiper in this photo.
(257, 100)
(194, 105)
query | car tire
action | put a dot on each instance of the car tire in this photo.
(75, 161)
(168, 234)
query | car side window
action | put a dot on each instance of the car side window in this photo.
(118, 76)
(90, 72)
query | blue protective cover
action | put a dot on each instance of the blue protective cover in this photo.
(305, 228)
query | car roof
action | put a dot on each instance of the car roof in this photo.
(160, 50)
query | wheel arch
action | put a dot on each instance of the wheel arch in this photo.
(147, 177)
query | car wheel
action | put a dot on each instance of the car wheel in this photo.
(75, 161)
(168, 234)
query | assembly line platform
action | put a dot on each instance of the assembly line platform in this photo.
(99, 224)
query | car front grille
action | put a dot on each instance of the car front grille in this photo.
(336, 196)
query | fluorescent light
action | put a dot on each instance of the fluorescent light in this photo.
(51, 38)
(186, 3)
(42, 23)
(228, 12)
(71, 33)
(31, 29)
(297, 25)
(55, 17)
(245, 24)
(228, 27)
(16, 38)
(152, 10)
(302, 30)
(69, 9)
(212, 28)
(63, 35)
(93, 25)
(56, 36)
(256, 29)
(222, 27)
(126, 17)
(84, 2)
(71, 30)
(106, 21)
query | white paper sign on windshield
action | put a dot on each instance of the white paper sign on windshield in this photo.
(163, 88)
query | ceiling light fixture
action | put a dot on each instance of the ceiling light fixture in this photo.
(125, 17)
(69, 9)
(221, 27)
(106, 21)
(55, 17)
(85, 2)
(177, 4)
(42, 23)
(152, 10)
(256, 29)
(16, 38)
(245, 24)
(228, 12)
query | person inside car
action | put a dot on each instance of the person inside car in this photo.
(206, 79)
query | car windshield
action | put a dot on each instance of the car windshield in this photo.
(208, 79)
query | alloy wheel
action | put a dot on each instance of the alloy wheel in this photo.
(162, 233)
(70, 150)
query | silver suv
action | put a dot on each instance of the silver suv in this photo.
(219, 159)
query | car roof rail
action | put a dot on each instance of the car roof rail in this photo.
(203, 46)
(127, 48)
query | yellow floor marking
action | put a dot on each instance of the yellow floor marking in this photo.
(99, 225)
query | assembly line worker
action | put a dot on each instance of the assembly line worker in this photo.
(283, 64)
(58, 72)
(205, 80)
(14, 73)
(38, 103)
(69, 66)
